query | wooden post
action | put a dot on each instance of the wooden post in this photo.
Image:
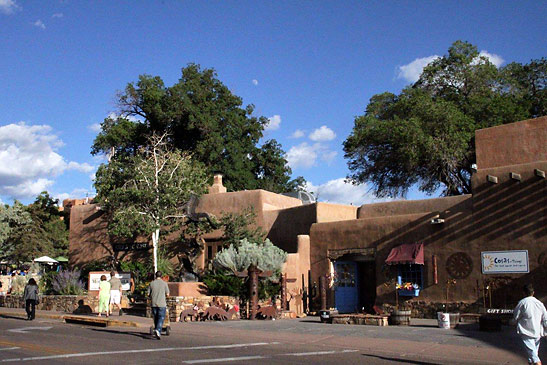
(435, 276)
(323, 291)
(253, 290)
(284, 292)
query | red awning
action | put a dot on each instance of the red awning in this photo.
(409, 253)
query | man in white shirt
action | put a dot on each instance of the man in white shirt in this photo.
(531, 318)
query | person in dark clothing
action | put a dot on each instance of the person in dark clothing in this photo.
(31, 298)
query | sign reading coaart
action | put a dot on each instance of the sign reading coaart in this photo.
(505, 262)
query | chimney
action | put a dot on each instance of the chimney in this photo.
(217, 186)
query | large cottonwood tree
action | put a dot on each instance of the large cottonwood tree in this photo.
(425, 134)
(204, 117)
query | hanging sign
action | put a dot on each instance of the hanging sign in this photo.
(505, 262)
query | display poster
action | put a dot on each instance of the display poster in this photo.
(95, 279)
(505, 262)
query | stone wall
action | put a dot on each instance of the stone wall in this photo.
(422, 309)
(59, 303)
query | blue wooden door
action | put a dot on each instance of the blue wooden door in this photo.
(347, 287)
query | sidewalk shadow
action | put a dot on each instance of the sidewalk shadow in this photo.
(7, 316)
(399, 360)
(142, 335)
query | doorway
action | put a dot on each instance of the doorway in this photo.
(355, 288)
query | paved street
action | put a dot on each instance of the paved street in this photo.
(305, 341)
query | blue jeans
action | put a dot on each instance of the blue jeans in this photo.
(159, 315)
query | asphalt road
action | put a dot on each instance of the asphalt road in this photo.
(50, 341)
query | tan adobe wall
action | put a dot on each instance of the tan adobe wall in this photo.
(283, 226)
(512, 144)
(327, 212)
(89, 240)
(296, 267)
(402, 207)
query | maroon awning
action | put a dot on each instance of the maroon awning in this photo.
(408, 253)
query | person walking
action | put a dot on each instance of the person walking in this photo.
(531, 318)
(104, 295)
(157, 292)
(115, 292)
(30, 297)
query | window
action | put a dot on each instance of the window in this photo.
(410, 273)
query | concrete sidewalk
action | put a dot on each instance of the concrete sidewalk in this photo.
(112, 321)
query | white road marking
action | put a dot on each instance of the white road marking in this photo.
(201, 361)
(9, 348)
(67, 356)
(242, 358)
(27, 329)
(318, 353)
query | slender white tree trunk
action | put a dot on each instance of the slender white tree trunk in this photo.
(155, 239)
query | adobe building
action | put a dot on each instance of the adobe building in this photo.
(469, 251)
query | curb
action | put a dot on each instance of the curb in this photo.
(80, 319)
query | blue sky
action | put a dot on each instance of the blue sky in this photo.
(310, 66)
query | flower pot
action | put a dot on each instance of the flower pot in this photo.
(400, 317)
(409, 293)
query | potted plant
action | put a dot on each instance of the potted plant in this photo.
(399, 317)
(408, 289)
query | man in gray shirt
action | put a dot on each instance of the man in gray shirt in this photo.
(157, 292)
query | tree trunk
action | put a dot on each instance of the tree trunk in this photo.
(155, 239)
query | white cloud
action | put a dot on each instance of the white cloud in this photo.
(8, 6)
(305, 155)
(340, 192)
(78, 193)
(495, 59)
(82, 167)
(114, 116)
(57, 15)
(273, 123)
(322, 134)
(411, 72)
(29, 161)
(39, 24)
(302, 155)
(297, 134)
(329, 156)
(95, 127)
(255, 82)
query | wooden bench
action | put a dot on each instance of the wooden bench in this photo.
(94, 321)
(470, 317)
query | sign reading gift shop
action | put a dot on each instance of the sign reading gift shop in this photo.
(505, 262)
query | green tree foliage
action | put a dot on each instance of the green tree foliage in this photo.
(148, 192)
(204, 117)
(12, 219)
(425, 135)
(45, 233)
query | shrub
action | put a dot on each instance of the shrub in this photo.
(264, 256)
(18, 284)
(68, 283)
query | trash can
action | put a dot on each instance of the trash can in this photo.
(443, 319)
